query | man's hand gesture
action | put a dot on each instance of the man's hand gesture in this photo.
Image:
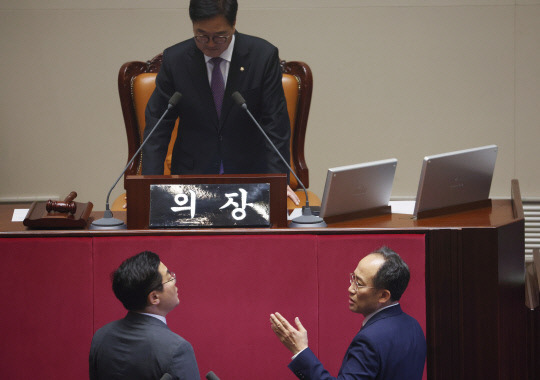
(295, 340)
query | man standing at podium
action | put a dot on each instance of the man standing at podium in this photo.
(215, 135)
(141, 346)
(389, 346)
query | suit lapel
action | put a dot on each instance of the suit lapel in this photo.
(199, 76)
(237, 71)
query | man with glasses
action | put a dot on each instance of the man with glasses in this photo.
(215, 135)
(141, 346)
(389, 346)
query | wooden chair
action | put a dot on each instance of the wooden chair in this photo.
(136, 82)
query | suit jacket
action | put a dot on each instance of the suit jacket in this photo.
(391, 346)
(204, 140)
(140, 347)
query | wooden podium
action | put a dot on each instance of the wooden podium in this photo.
(138, 193)
(467, 289)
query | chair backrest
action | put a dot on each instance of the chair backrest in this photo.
(136, 82)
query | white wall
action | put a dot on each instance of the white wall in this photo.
(394, 78)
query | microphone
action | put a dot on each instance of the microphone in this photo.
(211, 376)
(307, 219)
(166, 376)
(108, 222)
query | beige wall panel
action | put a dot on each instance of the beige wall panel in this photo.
(390, 81)
(62, 126)
(243, 4)
(402, 82)
(527, 2)
(528, 100)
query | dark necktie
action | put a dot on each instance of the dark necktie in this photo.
(218, 90)
(217, 85)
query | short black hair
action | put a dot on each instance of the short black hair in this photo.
(393, 275)
(135, 278)
(205, 9)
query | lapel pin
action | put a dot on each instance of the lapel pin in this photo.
(242, 68)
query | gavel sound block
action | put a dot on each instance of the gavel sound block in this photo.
(59, 214)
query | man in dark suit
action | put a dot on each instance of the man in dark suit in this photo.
(389, 346)
(141, 346)
(215, 135)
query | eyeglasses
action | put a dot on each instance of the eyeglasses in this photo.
(357, 286)
(173, 278)
(218, 40)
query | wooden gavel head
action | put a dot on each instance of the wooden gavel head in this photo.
(58, 206)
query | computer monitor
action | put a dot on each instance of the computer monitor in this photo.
(455, 178)
(360, 187)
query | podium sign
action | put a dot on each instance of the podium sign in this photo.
(138, 191)
(210, 205)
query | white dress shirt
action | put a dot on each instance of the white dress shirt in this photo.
(226, 56)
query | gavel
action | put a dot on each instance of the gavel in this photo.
(63, 206)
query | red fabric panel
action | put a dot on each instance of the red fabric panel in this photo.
(46, 321)
(228, 286)
(339, 256)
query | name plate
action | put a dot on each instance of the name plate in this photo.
(210, 205)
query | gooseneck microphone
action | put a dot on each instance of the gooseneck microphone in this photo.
(108, 222)
(307, 219)
(211, 376)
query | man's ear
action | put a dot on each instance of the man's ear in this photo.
(153, 298)
(385, 296)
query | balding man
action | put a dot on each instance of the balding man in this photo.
(389, 346)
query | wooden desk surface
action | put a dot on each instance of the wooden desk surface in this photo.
(499, 214)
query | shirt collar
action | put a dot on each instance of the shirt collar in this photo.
(367, 318)
(227, 54)
(160, 317)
